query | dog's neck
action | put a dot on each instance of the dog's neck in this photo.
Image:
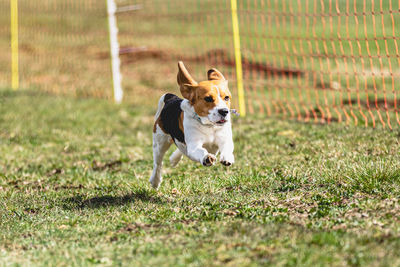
(200, 120)
(188, 109)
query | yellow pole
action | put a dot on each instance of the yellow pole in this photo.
(14, 44)
(238, 57)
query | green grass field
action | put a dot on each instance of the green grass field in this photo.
(74, 191)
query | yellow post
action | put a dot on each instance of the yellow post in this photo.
(14, 44)
(238, 57)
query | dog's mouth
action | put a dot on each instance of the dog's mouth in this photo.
(220, 122)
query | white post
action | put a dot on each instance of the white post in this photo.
(114, 50)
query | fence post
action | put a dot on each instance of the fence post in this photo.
(14, 44)
(114, 51)
(238, 57)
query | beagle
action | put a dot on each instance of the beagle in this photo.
(199, 124)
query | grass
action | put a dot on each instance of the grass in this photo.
(74, 191)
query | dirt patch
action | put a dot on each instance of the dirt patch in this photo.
(55, 172)
(131, 55)
(31, 211)
(97, 166)
(137, 226)
(133, 227)
(69, 187)
(379, 103)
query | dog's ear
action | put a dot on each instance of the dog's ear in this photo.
(186, 83)
(214, 74)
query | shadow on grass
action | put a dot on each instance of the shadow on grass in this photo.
(79, 201)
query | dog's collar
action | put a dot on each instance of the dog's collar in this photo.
(198, 118)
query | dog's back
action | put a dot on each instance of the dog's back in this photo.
(169, 117)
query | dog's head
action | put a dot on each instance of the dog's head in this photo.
(210, 99)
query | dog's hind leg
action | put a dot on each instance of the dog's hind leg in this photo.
(175, 157)
(161, 143)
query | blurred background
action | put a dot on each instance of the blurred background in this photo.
(309, 60)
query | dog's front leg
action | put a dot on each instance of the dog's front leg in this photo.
(196, 152)
(226, 148)
(227, 158)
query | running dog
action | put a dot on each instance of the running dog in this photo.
(199, 124)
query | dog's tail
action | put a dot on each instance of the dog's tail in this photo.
(161, 104)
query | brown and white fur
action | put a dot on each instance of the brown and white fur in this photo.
(199, 124)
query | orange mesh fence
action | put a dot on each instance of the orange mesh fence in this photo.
(329, 60)
(311, 60)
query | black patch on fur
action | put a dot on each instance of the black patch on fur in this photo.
(169, 96)
(170, 116)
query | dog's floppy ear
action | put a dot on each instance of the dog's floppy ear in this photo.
(214, 74)
(186, 83)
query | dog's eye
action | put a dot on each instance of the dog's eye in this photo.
(226, 98)
(209, 99)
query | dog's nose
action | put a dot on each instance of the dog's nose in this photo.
(223, 112)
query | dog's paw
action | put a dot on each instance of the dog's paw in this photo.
(209, 160)
(155, 182)
(226, 163)
(227, 160)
